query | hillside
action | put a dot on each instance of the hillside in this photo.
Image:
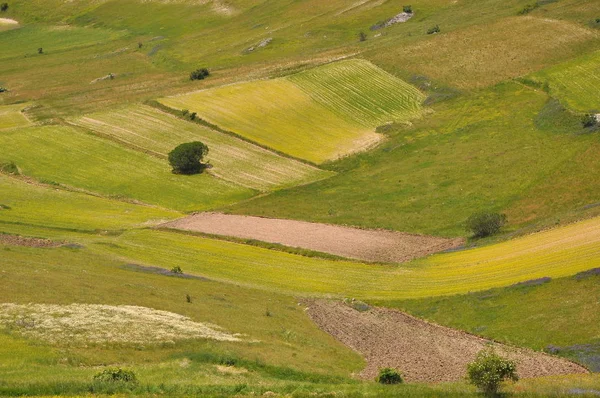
(349, 144)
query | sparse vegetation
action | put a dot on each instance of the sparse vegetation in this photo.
(187, 158)
(116, 375)
(389, 376)
(199, 74)
(485, 224)
(433, 30)
(9, 168)
(489, 370)
(589, 120)
(528, 8)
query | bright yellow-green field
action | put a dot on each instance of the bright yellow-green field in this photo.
(575, 82)
(11, 116)
(233, 159)
(555, 253)
(320, 115)
(67, 156)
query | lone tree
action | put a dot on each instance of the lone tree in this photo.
(489, 370)
(389, 376)
(485, 224)
(186, 158)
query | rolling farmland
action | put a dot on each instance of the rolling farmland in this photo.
(232, 159)
(76, 159)
(11, 116)
(560, 252)
(302, 126)
(575, 82)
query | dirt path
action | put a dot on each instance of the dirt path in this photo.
(422, 351)
(361, 244)
(16, 240)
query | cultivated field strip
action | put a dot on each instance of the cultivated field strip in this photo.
(577, 82)
(80, 160)
(562, 252)
(232, 159)
(11, 116)
(309, 116)
(359, 90)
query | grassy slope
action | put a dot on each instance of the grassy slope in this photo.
(11, 116)
(77, 159)
(561, 313)
(233, 159)
(555, 253)
(28, 204)
(328, 111)
(492, 150)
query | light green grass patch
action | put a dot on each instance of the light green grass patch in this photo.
(575, 82)
(232, 159)
(314, 115)
(61, 154)
(11, 116)
(555, 253)
(28, 204)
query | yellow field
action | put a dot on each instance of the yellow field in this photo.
(319, 115)
(233, 159)
(11, 116)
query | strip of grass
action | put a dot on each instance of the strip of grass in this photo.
(232, 159)
(479, 152)
(560, 252)
(560, 316)
(77, 159)
(11, 116)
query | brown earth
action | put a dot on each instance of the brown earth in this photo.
(361, 244)
(15, 240)
(422, 351)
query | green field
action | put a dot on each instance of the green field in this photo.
(500, 149)
(77, 159)
(555, 253)
(329, 112)
(234, 160)
(575, 82)
(11, 116)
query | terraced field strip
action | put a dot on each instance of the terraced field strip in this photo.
(575, 82)
(362, 92)
(360, 244)
(60, 154)
(309, 116)
(232, 159)
(29, 204)
(11, 116)
(556, 253)
(425, 352)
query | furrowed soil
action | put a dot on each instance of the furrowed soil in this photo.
(360, 244)
(422, 351)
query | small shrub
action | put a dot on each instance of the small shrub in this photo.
(188, 298)
(489, 370)
(362, 36)
(199, 74)
(485, 224)
(4, 7)
(186, 158)
(177, 270)
(388, 376)
(140, 44)
(116, 375)
(193, 116)
(185, 112)
(3, 89)
(589, 120)
(40, 50)
(407, 9)
(433, 30)
(9, 168)
(528, 8)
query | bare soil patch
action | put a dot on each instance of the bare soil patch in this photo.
(422, 351)
(360, 244)
(7, 21)
(16, 240)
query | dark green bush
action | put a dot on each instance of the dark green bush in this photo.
(186, 158)
(9, 168)
(362, 36)
(4, 7)
(433, 30)
(407, 9)
(489, 370)
(589, 120)
(485, 224)
(389, 376)
(116, 375)
(177, 270)
(3, 89)
(199, 74)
